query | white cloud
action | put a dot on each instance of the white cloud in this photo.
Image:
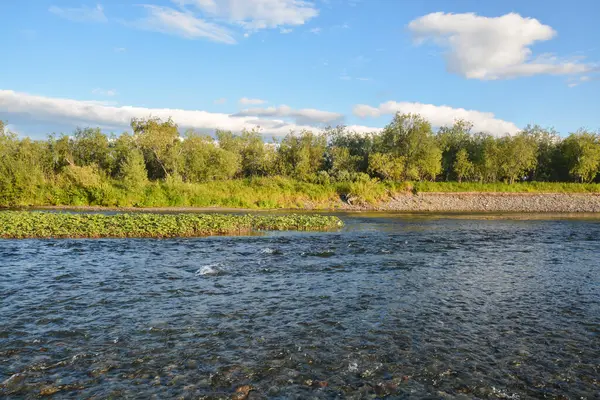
(341, 26)
(490, 48)
(104, 92)
(316, 31)
(305, 116)
(576, 81)
(81, 14)
(222, 100)
(246, 101)
(256, 14)
(76, 112)
(182, 23)
(285, 30)
(439, 115)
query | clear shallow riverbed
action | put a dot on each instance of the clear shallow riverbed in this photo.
(403, 306)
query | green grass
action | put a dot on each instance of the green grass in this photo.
(524, 187)
(27, 224)
(260, 193)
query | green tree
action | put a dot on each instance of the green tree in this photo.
(451, 140)
(119, 150)
(204, 161)
(385, 166)
(486, 157)
(61, 152)
(133, 173)
(301, 156)
(410, 137)
(160, 143)
(359, 146)
(463, 167)
(255, 158)
(21, 171)
(582, 154)
(340, 160)
(517, 156)
(90, 147)
(549, 164)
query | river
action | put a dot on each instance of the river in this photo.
(392, 305)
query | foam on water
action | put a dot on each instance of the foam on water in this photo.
(210, 270)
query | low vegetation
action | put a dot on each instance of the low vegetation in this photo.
(26, 224)
(155, 166)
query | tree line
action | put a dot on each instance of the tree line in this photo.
(407, 149)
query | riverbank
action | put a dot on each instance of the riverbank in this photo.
(491, 202)
(28, 224)
(265, 193)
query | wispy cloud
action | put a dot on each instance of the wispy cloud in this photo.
(223, 21)
(315, 31)
(105, 92)
(256, 14)
(576, 81)
(246, 101)
(80, 14)
(182, 23)
(222, 100)
(346, 77)
(340, 26)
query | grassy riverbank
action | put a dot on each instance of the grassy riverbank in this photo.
(24, 224)
(264, 193)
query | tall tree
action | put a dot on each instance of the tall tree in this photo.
(582, 154)
(410, 136)
(451, 140)
(301, 155)
(463, 167)
(90, 147)
(160, 142)
(254, 156)
(517, 156)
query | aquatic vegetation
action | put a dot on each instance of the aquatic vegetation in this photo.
(27, 224)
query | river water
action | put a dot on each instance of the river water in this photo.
(392, 305)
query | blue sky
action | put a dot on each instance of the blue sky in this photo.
(292, 64)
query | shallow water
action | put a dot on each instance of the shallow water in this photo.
(397, 306)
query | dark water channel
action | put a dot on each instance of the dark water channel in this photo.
(397, 306)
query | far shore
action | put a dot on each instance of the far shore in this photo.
(429, 202)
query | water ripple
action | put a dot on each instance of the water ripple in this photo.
(399, 307)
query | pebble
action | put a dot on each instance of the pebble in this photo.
(491, 202)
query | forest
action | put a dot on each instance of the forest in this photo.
(155, 165)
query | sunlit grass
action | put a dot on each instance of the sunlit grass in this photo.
(523, 187)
